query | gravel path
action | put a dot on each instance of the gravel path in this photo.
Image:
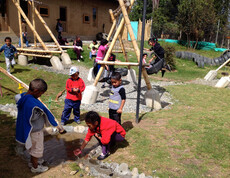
(131, 93)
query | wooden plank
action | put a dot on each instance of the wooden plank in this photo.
(120, 63)
(20, 26)
(33, 17)
(35, 55)
(39, 51)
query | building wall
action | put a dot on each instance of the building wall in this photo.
(74, 23)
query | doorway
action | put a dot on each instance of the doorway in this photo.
(63, 17)
(4, 26)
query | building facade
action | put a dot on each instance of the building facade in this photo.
(85, 18)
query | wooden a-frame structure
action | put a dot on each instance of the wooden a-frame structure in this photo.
(124, 8)
(35, 52)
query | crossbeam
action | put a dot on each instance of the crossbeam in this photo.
(120, 63)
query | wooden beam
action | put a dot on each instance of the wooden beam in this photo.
(35, 55)
(39, 51)
(113, 26)
(33, 17)
(120, 63)
(134, 42)
(30, 25)
(47, 28)
(20, 27)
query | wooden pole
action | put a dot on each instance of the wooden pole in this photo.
(30, 25)
(111, 46)
(47, 28)
(39, 51)
(134, 42)
(120, 63)
(35, 40)
(35, 55)
(119, 37)
(20, 27)
(113, 26)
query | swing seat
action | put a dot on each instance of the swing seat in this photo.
(155, 68)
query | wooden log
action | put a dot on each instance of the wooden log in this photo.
(120, 63)
(30, 25)
(47, 28)
(35, 55)
(118, 31)
(27, 88)
(39, 51)
(55, 46)
(20, 27)
(134, 42)
(113, 26)
(33, 9)
(120, 38)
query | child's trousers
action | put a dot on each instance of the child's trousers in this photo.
(9, 62)
(115, 116)
(115, 137)
(69, 104)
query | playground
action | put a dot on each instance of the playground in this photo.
(183, 124)
(189, 138)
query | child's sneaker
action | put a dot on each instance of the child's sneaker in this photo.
(102, 156)
(39, 169)
(40, 162)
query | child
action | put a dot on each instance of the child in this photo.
(24, 34)
(117, 98)
(144, 58)
(74, 86)
(32, 115)
(93, 52)
(62, 41)
(59, 28)
(95, 45)
(109, 69)
(106, 131)
(9, 52)
(101, 52)
(78, 48)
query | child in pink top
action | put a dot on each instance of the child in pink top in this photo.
(101, 52)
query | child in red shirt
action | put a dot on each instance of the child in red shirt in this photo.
(74, 86)
(106, 131)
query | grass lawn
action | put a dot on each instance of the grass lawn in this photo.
(189, 140)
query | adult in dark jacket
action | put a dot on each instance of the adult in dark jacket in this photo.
(157, 62)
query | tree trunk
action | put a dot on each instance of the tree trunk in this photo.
(196, 43)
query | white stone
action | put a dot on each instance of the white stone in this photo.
(123, 169)
(90, 77)
(56, 63)
(223, 82)
(210, 75)
(66, 59)
(81, 166)
(79, 129)
(142, 175)
(152, 99)
(90, 95)
(135, 172)
(22, 60)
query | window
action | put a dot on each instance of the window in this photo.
(44, 11)
(86, 18)
(94, 16)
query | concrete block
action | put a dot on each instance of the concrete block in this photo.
(90, 77)
(56, 63)
(132, 77)
(90, 95)
(152, 99)
(22, 60)
(223, 82)
(66, 59)
(210, 75)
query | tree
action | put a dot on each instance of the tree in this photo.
(196, 18)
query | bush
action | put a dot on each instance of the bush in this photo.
(169, 56)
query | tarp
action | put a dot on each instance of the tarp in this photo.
(134, 25)
(200, 45)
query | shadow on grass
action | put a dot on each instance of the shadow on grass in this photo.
(19, 70)
(9, 90)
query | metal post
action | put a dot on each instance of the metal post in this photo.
(140, 66)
